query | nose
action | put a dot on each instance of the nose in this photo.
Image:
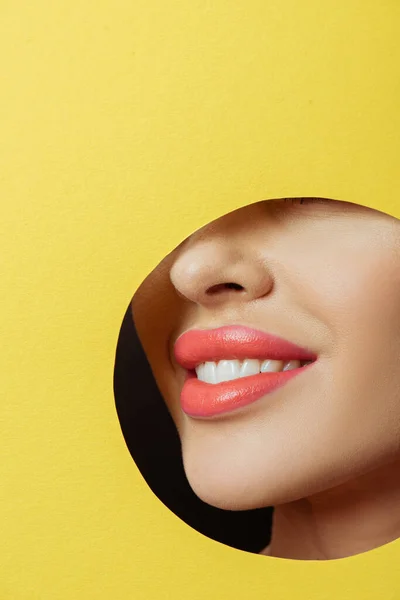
(220, 266)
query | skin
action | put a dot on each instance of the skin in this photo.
(324, 449)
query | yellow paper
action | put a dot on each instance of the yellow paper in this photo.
(125, 127)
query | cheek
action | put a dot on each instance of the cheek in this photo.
(360, 304)
(353, 290)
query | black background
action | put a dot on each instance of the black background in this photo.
(154, 444)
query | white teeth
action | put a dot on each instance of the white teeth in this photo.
(210, 372)
(291, 364)
(227, 370)
(271, 366)
(200, 372)
(249, 367)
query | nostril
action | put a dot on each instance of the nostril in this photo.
(233, 286)
(224, 286)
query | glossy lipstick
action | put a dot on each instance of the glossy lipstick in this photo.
(201, 399)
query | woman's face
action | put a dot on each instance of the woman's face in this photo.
(322, 274)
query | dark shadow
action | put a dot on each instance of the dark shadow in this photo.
(154, 445)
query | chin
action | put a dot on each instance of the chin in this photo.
(233, 489)
(238, 493)
(225, 497)
(227, 485)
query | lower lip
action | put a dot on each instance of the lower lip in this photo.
(200, 399)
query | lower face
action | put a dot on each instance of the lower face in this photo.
(334, 269)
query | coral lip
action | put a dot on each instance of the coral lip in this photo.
(205, 400)
(234, 342)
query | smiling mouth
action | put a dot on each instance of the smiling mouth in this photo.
(233, 366)
(228, 370)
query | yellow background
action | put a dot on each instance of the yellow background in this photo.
(125, 126)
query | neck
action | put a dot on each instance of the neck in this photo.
(350, 519)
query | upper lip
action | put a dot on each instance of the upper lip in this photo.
(234, 342)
